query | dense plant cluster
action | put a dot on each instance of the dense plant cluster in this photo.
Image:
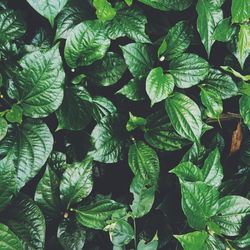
(124, 124)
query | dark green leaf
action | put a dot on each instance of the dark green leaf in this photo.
(245, 109)
(188, 70)
(244, 241)
(185, 116)
(85, 44)
(75, 111)
(29, 145)
(240, 11)
(104, 10)
(3, 128)
(214, 243)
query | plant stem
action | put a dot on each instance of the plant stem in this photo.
(135, 240)
(224, 117)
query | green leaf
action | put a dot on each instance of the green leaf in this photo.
(199, 202)
(76, 182)
(167, 5)
(26, 220)
(79, 79)
(144, 162)
(185, 116)
(240, 11)
(232, 212)
(3, 128)
(212, 169)
(160, 134)
(102, 107)
(139, 58)
(40, 83)
(224, 30)
(8, 240)
(194, 240)
(244, 41)
(120, 232)
(85, 44)
(71, 235)
(143, 197)
(214, 243)
(104, 10)
(75, 111)
(212, 101)
(178, 39)
(245, 109)
(12, 26)
(209, 15)
(188, 70)
(128, 22)
(47, 194)
(221, 83)
(128, 2)
(48, 9)
(134, 90)
(159, 85)
(152, 245)
(243, 241)
(107, 71)
(96, 215)
(135, 122)
(15, 114)
(235, 73)
(29, 145)
(7, 182)
(72, 14)
(110, 137)
(187, 171)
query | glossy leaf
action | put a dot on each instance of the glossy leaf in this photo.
(240, 10)
(185, 116)
(135, 122)
(244, 241)
(144, 162)
(244, 41)
(104, 10)
(76, 182)
(96, 215)
(199, 202)
(245, 109)
(75, 111)
(40, 83)
(3, 128)
(8, 240)
(159, 85)
(188, 70)
(86, 43)
(29, 145)
(49, 8)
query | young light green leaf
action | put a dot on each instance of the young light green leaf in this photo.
(86, 43)
(235, 73)
(161, 50)
(29, 145)
(144, 162)
(128, 22)
(209, 15)
(7, 182)
(195, 240)
(49, 8)
(26, 220)
(167, 5)
(245, 109)
(244, 41)
(240, 10)
(8, 240)
(110, 137)
(187, 171)
(3, 128)
(185, 116)
(128, 2)
(107, 71)
(212, 101)
(135, 122)
(104, 10)
(224, 30)
(139, 58)
(231, 214)
(40, 83)
(15, 114)
(134, 90)
(75, 111)
(47, 194)
(71, 235)
(96, 215)
(143, 197)
(199, 202)
(178, 39)
(212, 170)
(188, 70)
(76, 182)
(159, 85)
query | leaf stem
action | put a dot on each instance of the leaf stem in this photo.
(224, 117)
(135, 240)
